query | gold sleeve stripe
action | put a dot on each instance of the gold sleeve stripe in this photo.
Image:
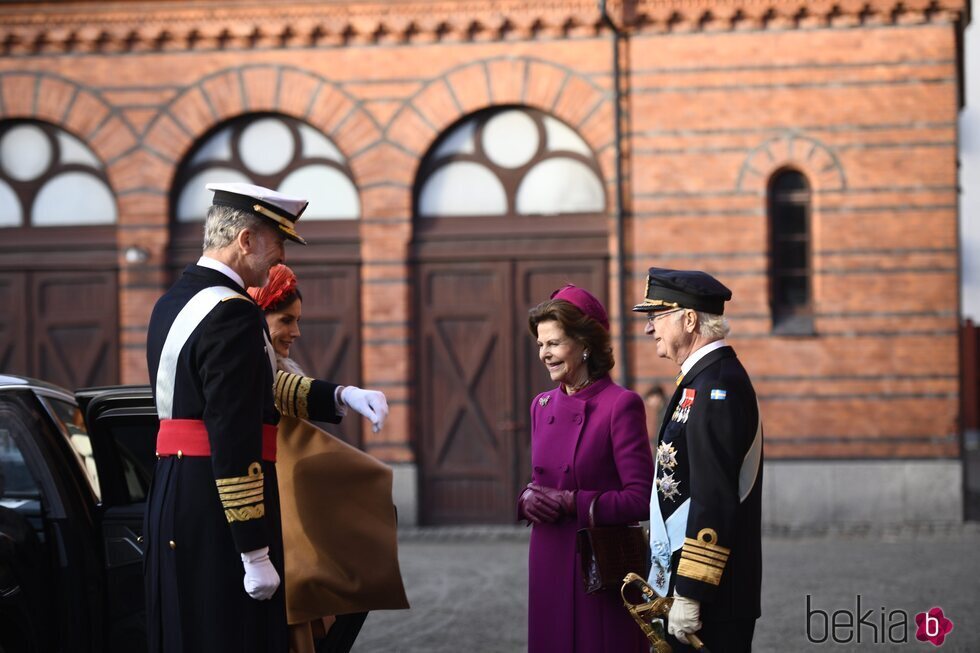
(302, 400)
(285, 386)
(281, 380)
(240, 487)
(230, 496)
(244, 491)
(699, 571)
(690, 545)
(245, 514)
(292, 394)
(254, 475)
(242, 502)
(690, 555)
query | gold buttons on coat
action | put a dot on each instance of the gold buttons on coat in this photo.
(173, 545)
(180, 454)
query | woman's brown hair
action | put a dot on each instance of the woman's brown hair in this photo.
(579, 327)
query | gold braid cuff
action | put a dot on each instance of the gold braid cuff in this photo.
(702, 559)
(242, 496)
(292, 392)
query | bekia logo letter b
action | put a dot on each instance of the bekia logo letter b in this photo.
(933, 626)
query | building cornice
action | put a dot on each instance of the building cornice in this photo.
(166, 25)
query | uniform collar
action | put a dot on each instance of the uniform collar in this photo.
(698, 354)
(218, 266)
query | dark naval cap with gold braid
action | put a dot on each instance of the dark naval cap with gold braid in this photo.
(281, 210)
(667, 289)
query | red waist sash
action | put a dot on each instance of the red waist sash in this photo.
(189, 437)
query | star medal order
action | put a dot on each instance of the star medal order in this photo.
(669, 487)
(666, 456)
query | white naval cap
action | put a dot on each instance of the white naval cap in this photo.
(280, 209)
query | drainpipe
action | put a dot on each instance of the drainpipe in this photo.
(617, 39)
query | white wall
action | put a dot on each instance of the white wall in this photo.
(970, 172)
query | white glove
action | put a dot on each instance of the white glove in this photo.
(261, 578)
(684, 617)
(370, 403)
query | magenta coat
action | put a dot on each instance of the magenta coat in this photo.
(594, 441)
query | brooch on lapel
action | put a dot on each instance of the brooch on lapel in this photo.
(543, 401)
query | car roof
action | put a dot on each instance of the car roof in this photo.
(11, 381)
(83, 396)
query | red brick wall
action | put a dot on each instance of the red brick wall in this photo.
(863, 102)
(869, 115)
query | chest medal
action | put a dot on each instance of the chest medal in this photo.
(684, 406)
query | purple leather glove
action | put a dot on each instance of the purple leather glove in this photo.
(564, 498)
(539, 508)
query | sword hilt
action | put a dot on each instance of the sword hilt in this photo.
(653, 608)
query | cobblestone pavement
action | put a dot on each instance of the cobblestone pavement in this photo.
(468, 589)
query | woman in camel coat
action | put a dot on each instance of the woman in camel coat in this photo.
(339, 530)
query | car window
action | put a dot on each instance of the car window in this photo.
(136, 447)
(72, 422)
(17, 485)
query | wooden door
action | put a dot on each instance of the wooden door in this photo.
(61, 326)
(478, 371)
(464, 395)
(13, 323)
(75, 325)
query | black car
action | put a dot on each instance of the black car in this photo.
(74, 473)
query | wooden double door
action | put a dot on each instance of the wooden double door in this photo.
(478, 372)
(59, 320)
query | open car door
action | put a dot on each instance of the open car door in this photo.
(122, 424)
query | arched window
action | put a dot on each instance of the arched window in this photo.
(274, 151)
(790, 266)
(509, 161)
(49, 178)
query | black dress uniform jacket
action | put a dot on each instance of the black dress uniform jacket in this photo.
(710, 451)
(195, 534)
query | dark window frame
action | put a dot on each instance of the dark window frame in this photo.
(789, 192)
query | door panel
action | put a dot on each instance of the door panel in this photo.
(464, 392)
(74, 340)
(329, 347)
(13, 323)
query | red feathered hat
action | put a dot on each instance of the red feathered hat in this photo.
(282, 283)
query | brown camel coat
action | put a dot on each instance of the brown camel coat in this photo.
(339, 530)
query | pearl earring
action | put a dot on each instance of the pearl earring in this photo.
(585, 356)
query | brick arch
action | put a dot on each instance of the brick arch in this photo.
(73, 107)
(791, 150)
(550, 87)
(233, 92)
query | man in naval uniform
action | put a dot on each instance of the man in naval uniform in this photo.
(213, 536)
(705, 521)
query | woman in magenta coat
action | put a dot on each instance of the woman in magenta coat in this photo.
(589, 451)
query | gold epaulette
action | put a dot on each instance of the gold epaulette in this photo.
(702, 559)
(242, 496)
(292, 393)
